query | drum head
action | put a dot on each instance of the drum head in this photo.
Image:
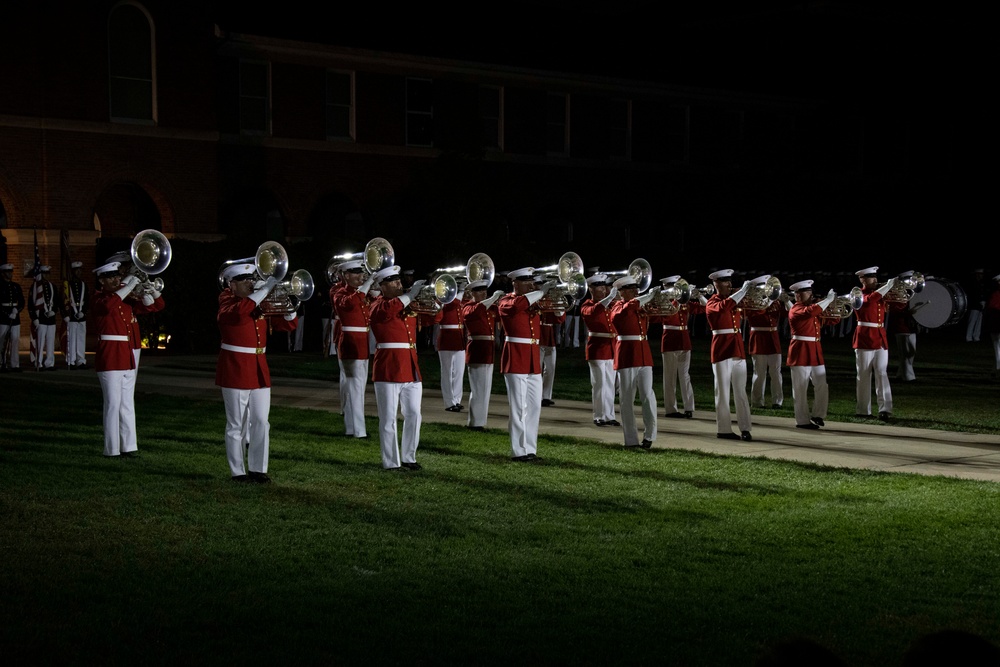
(943, 303)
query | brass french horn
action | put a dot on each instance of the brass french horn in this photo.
(905, 288)
(151, 254)
(572, 286)
(843, 305)
(761, 295)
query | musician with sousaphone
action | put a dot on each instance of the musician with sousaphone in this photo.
(871, 347)
(450, 344)
(805, 355)
(479, 314)
(600, 347)
(245, 319)
(677, 302)
(728, 356)
(764, 309)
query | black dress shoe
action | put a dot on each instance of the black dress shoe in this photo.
(240, 478)
(476, 428)
(860, 416)
(818, 421)
(612, 422)
(130, 455)
(600, 422)
(745, 435)
(689, 414)
(776, 406)
(259, 477)
(646, 444)
(546, 402)
(883, 416)
(727, 436)
(412, 466)
(810, 426)
(453, 408)
(677, 415)
(396, 469)
(521, 459)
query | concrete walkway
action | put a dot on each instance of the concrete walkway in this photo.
(874, 446)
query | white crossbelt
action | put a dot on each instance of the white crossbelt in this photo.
(355, 329)
(451, 326)
(117, 338)
(395, 346)
(811, 339)
(546, 324)
(717, 332)
(674, 327)
(522, 341)
(243, 350)
(6, 305)
(870, 324)
(600, 334)
(630, 338)
(763, 328)
(482, 338)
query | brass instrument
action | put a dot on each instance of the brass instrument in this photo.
(480, 267)
(905, 288)
(271, 261)
(571, 288)
(436, 294)
(842, 306)
(761, 295)
(378, 255)
(151, 254)
(670, 299)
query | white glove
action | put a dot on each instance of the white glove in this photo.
(127, 286)
(414, 290)
(648, 296)
(832, 294)
(156, 295)
(259, 284)
(34, 323)
(738, 296)
(13, 313)
(547, 285)
(291, 316)
(147, 299)
(488, 303)
(131, 281)
(261, 293)
(888, 286)
(66, 319)
(50, 313)
(612, 295)
(367, 285)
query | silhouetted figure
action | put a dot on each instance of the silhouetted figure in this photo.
(955, 648)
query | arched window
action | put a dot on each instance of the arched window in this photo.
(131, 65)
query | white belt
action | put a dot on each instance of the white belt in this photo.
(674, 327)
(716, 332)
(243, 350)
(522, 341)
(395, 346)
(600, 334)
(482, 338)
(630, 338)
(124, 339)
(546, 324)
(763, 328)
(6, 305)
(811, 339)
(870, 324)
(451, 326)
(355, 329)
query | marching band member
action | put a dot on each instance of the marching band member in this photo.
(675, 351)
(600, 348)
(765, 350)
(242, 371)
(805, 355)
(729, 364)
(479, 314)
(351, 304)
(395, 369)
(11, 305)
(634, 360)
(76, 303)
(550, 322)
(520, 361)
(114, 313)
(451, 351)
(871, 348)
(42, 307)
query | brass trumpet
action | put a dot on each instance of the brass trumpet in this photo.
(842, 306)
(151, 254)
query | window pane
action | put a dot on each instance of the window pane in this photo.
(338, 121)
(419, 95)
(253, 79)
(131, 99)
(338, 88)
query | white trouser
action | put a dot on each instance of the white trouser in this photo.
(571, 331)
(480, 387)
(801, 377)
(975, 325)
(907, 344)
(247, 411)
(45, 350)
(873, 362)
(638, 379)
(548, 356)
(393, 398)
(452, 375)
(118, 388)
(996, 350)
(342, 393)
(352, 392)
(602, 388)
(14, 332)
(731, 374)
(524, 393)
(76, 343)
(764, 366)
(677, 368)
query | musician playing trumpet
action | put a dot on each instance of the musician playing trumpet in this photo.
(600, 348)
(765, 350)
(634, 360)
(729, 362)
(871, 347)
(351, 302)
(479, 314)
(805, 355)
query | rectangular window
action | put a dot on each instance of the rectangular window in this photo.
(620, 146)
(340, 106)
(419, 112)
(255, 98)
(557, 124)
(677, 132)
(491, 116)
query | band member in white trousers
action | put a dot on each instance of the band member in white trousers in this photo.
(729, 363)
(805, 355)
(595, 312)
(351, 303)
(479, 315)
(451, 351)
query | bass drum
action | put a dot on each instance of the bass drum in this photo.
(938, 304)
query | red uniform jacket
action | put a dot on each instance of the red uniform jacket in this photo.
(549, 321)
(480, 324)
(392, 323)
(352, 307)
(600, 330)
(630, 319)
(114, 317)
(722, 315)
(241, 324)
(519, 320)
(805, 322)
(677, 327)
(871, 312)
(451, 327)
(900, 320)
(763, 341)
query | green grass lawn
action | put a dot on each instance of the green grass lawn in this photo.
(596, 556)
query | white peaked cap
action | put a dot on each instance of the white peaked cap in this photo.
(110, 267)
(349, 264)
(721, 274)
(383, 274)
(240, 269)
(477, 284)
(76, 265)
(597, 278)
(625, 281)
(760, 280)
(670, 280)
(801, 285)
(6, 267)
(865, 272)
(525, 272)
